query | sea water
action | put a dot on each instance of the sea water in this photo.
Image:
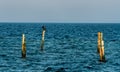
(69, 47)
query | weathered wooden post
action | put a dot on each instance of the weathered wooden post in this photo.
(23, 47)
(43, 36)
(102, 55)
(99, 40)
(101, 47)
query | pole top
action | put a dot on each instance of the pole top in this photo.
(23, 35)
(43, 27)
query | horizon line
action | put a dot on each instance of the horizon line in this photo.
(59, 22)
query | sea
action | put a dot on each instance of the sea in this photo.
(68, 47)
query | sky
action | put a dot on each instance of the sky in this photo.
(60, 11)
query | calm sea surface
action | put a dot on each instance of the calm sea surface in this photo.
(68, 47)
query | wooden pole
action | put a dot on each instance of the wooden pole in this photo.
(43, 36)
(23, 46)
(99, 40)
(102, 54)
(101, 47)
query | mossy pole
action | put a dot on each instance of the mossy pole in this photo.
(23, 46)
(101, 46)
(43, 36)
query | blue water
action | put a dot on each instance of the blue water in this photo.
(68, 47)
